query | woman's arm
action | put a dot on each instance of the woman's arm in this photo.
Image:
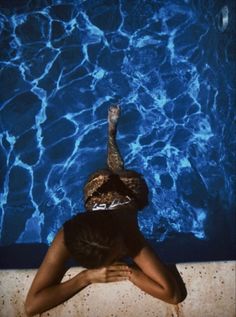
(47, 291)
(156, 279)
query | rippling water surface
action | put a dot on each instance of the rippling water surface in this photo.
(171, 66)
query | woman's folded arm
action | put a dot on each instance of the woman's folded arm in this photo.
(54, 295)
(156, 279)
(47, 291)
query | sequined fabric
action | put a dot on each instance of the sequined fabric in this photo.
(134, 183)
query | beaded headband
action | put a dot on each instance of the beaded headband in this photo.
(110, 206)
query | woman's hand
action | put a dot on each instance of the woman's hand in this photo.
(113, 273)
(135, 273)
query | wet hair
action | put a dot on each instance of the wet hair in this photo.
(91, 238)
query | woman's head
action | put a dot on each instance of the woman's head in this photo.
(93, 239)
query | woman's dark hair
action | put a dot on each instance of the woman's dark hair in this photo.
(91, 238)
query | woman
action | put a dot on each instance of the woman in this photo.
(100, 238)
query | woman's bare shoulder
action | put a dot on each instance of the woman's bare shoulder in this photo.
(58, 252)
(53, 267)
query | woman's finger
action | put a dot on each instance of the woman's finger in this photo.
(117, 279)
(117, 268)
(118, 274)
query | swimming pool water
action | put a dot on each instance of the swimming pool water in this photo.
(171, 67)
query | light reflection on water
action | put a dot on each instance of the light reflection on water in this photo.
(170, 68)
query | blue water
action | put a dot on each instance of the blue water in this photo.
(171, 67)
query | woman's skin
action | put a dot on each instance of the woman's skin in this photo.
(149, 274)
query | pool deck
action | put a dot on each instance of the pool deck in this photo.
(210, 285)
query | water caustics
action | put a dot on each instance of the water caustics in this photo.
(170, 66)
